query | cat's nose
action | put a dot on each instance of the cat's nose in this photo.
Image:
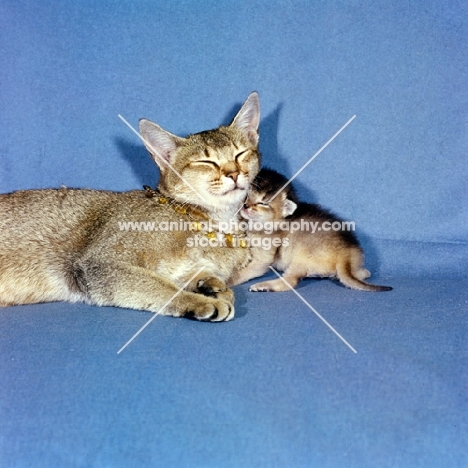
(233, 175)
(246, 206)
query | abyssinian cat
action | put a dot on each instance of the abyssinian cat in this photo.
(66, 245)
(299, 253)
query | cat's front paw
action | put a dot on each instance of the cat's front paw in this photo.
(211, 310)
(210, 286)
(215, 287)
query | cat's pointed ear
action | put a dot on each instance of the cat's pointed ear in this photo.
(289, 207)
(248, 118)
(160, 143)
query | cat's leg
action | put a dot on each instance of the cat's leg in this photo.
(362, 274)
(35, 282)
(258, 266)
(129, 286)
(252, 270)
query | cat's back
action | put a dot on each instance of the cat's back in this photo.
(323, 227)
(58, 219)
(62, 223)
(33, 213)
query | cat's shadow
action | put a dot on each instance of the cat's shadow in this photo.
(241, 293)
(147, 172)
(139, 160)
(372, 261)
(273, 158)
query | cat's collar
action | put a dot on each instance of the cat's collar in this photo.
(200, 221)
(194, 213)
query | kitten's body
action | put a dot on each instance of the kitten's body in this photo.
(324, 253)
(67, 245)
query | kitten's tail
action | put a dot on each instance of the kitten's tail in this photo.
(345, 275)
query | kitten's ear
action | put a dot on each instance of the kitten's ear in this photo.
(248, 118)
(159, 143)
(289, 207)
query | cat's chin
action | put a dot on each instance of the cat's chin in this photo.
(233, 190)
(228, 201)
(236, 193)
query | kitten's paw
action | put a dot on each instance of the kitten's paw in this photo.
(270, 286)
(363, 274)
(260, 287)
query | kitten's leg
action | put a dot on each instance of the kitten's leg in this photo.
(252, 270)
(278, 285)
(129, 286)
(362, 274)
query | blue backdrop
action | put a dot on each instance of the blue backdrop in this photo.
(275, 387)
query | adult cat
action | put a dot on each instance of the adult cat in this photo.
(69, 245)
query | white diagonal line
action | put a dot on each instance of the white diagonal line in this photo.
(314, 311)
(242, 205)
(312, 158)
(160, 310)
(164, 161)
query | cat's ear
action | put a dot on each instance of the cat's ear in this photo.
(289, 207)
(160, 143)
(248, 118)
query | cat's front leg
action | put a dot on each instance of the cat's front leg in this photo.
(286, 283)
(125, 285)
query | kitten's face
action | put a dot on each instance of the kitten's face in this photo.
(270, 198)
(212, 169)
(260, 207)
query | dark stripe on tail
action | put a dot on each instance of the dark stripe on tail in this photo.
(346, 277)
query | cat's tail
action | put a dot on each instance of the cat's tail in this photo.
(345, 275)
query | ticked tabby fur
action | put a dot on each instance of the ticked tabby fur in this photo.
(324, 253)
(66, 245)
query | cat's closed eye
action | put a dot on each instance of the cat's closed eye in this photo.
(241, 154)
(210, 163)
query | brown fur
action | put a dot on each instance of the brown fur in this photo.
(302, 253)
(66, 245)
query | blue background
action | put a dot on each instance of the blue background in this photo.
(275, 387)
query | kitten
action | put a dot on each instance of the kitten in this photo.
(300, 254)
(66, 245)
